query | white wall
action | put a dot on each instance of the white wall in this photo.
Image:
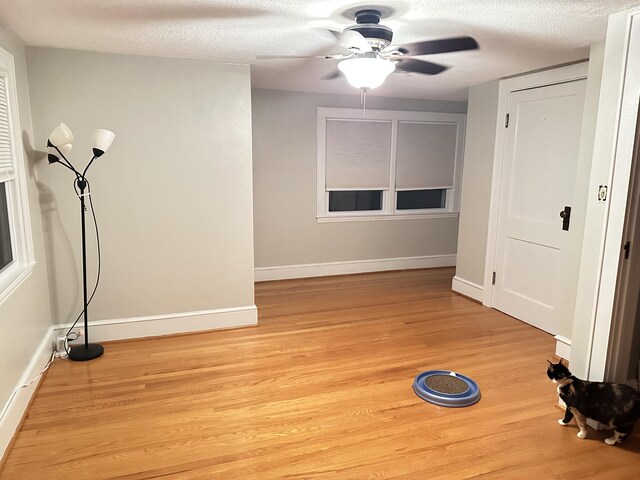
(25, 315)
(173, 195)
(284, 153)
(476, 182)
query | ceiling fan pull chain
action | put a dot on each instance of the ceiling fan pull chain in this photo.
(363, 101)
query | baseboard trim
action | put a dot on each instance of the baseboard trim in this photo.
(467, 288)
(168, 324)
(563, 347)
(355, 266)
(15, 408)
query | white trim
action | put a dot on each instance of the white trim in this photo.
(625, 126)
(18, 205)
(16, 406)
(467, 288)
(167, 324)
(354, 266)
(506, 87)
(563, 347)
(14, 279)
(368, 218)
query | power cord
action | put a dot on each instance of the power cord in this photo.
(15, 392)
(95, 223)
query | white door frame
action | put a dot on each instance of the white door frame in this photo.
(506, 87)
(613, 153)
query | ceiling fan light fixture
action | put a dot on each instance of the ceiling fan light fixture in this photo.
(366, 73)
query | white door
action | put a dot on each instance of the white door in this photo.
(541, 153)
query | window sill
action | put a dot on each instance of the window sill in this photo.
(381, 217)
(13, 278)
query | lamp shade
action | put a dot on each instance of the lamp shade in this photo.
(101, 141)
(366, 73)
(53, 153)
(61, 135)
(66, 148)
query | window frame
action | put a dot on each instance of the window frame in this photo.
(389, 199)
(19, 269)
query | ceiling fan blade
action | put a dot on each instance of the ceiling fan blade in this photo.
(443, 45)
(420, 66)
(352, 40)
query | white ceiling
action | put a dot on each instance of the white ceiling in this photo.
(514, 35)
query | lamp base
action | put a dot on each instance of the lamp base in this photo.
(81, 354)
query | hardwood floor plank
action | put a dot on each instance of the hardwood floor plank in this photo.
(320, 389)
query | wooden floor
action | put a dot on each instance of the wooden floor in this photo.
(320, 390)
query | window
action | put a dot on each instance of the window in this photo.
(421, 199)
(355, 200)
(388, 164)
(6, 253)
(16, 251)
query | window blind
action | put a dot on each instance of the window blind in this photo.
(357, 154)
(6, 160)
(426, 155)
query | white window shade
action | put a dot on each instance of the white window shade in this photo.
(6, 159)
(426, 155)
(357, 155)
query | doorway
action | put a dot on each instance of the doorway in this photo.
(527, 271)
(539, 170)
(623, 357)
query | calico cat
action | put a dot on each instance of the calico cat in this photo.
(615, 405)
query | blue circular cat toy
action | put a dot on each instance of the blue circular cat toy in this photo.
(446, 388)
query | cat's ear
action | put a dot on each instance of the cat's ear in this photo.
(549, 362)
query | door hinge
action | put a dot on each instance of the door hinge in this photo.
(493, 278)
(506, 121)
(626, 248)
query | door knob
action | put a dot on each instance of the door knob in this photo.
(566, 217)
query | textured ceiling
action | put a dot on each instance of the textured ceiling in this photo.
(514, 35)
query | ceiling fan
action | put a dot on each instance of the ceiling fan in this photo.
(372, 57)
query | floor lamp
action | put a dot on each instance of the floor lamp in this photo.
(61, 140)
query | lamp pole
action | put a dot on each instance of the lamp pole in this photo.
(90, 350)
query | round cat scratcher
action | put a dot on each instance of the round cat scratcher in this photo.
(446, 388)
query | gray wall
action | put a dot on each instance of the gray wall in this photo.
(173, 195)
(476, 182)
(284, 156)
(25, 315)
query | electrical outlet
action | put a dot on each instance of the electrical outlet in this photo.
(61, 346)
